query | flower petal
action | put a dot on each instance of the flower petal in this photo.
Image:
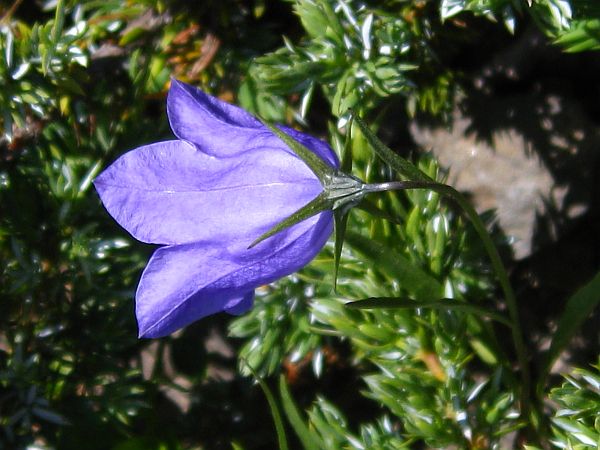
(240, 306)
(221, 129)
(170, 193)
(321, 148)
(184, 283)
(218, 128)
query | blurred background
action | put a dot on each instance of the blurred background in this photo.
(500, 98)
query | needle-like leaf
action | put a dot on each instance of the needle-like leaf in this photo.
(446, 303)
(346, 166)
(374, 210)
(419, 284)
(277, 419)
(309, 440)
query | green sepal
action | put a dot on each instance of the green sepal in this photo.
(405, 168)
(445, 303)
(340, 191)
(316, 164)
(312, 208)
(340, 221)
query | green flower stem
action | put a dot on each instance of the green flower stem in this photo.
(497, 264)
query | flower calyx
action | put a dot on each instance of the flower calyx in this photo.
(343, 190)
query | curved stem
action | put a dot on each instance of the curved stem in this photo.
(511, 301)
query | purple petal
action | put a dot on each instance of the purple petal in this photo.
(237, 307)
(170, 193)
(184, 283)
(224, 130)
(321, 148)
(218, 128)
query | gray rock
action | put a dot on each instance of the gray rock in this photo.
(532, 163)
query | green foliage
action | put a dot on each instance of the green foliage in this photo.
(415, 362)
(575, 422)
(573, 23)
(39, 67)
(582, 36)
(506, 11)
(583, 32)
(79, 85)
(357, 56)
(332, 427)
(279, 328)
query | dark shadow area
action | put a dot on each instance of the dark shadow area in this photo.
(551, 101)
(200, 397)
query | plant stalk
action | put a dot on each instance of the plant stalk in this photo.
(511, 301)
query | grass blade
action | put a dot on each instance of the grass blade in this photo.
(445, 303)
(308, 440)
(281, 437)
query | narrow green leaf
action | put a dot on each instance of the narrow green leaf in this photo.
(59, 21)
(413, 279)
(9, 48)
(87, 179)
(401, 165)
(333, 21)
(281, 437)
(583, 35)
(450, 8)
(70, 85)
(340, 217)
(314, 207)
(346, 165)
(8, 124)
(307, 99)
(445, 303)
(57, 26)
(316, 164)
(309, 441)
(482, 349)
(577, 309)
(370, 207)
(132, 35)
